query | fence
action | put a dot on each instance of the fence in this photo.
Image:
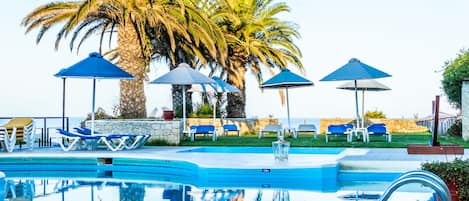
(44, 125)
(443, 124)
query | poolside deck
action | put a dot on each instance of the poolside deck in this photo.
(351, 159)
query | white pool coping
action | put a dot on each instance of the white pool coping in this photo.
(351, 159)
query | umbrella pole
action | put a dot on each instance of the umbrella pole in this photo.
(92, 106)
(356, 104)
(63, 104)
(288, 110)
(363, 108)
(184, 108)
(214, 110)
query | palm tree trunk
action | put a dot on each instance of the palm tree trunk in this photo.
(132, 94)
(236, 106)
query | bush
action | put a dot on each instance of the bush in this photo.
(455, 129)
(100, 113)
(375, 114)
(456, 172)
(204, 111)
(454, 72)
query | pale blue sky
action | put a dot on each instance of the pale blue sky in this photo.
(410, 40)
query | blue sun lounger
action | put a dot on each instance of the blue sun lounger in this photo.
(378, 129)
(202, 129)
(340, 130)
(230, 128)
(132, 142)
(72, 141)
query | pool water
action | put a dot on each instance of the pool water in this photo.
(264, 150)
(124, 188)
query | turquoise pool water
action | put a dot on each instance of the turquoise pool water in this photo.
(121, 186)
(264, 150)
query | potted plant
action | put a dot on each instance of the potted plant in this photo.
(455, 174)
(168, 114)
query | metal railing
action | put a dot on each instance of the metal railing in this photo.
(43, 126)
(419, 176)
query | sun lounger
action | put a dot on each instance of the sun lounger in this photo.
(340, 130)
(306, 128)
(8, 141)
(271, 128)
(24, 130)
(133, 141)
(230, 128)
(202, 129)
(378, 129)
(80, 141)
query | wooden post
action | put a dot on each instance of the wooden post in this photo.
(435, 122)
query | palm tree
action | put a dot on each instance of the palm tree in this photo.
(256, 40)
(133, 20)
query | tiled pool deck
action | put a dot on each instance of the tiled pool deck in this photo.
(351, 159)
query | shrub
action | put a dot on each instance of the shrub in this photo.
(455, 129)
(375, 114)
(100, 113)
(454, 72)
(456, 172)
(204, 111)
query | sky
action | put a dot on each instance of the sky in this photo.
(411, 40)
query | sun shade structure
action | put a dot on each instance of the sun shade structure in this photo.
(220, 87)
(364, 85)
(93, 67)
(286, 79)
(183, 75)
(355, 70)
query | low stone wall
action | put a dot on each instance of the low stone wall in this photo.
(393, 125)
(169, 131)
(246, 126)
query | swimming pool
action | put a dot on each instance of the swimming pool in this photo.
(139, 187)
(263, 150)
(308, 175)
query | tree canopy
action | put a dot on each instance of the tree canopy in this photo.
(454, 73)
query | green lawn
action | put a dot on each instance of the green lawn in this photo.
(398, 141)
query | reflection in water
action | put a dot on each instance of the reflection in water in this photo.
(132, 192)
(112, 189)
(24, 190)
(281, 195)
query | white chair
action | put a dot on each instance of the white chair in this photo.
(306, 128)
(271, 128)
(8, 142)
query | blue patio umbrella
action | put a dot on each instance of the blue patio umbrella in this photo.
(355, 70)
(183, 75)
(220, 87)
(286, 79)
(94, 67)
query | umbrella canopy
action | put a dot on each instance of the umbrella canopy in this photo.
(220, 87)
(364, 85)
(355, 70)
(183, 75)
(286, 79)
(93, 67)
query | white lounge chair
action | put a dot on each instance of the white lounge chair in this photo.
(306, 128)
(271, 128)
(8, 141)
(79, 141)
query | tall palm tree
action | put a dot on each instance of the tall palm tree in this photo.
(257, 40)
(133, 20)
